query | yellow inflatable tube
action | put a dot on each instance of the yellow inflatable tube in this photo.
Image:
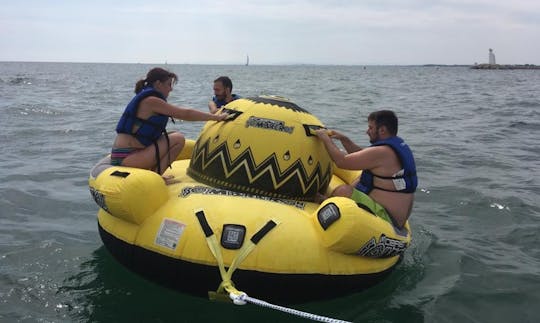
(244, 213)
(139, 211)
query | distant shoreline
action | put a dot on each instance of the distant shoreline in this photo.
(505, 67)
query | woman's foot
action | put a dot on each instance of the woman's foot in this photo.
(169, 179)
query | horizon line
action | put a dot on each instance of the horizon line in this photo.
(243, 64)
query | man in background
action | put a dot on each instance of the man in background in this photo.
(222, 93)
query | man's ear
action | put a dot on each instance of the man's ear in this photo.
(383, 130)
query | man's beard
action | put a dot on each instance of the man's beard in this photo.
(374, 140)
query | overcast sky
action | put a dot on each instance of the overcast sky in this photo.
(358, 32)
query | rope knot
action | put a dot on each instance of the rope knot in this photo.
(238, 298)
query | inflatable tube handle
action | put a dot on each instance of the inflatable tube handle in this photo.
(204, 223)
(310, 129)
(263, 231)
(232, 114)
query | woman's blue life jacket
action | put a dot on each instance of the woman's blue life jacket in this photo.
(149, 129)
(405, 181)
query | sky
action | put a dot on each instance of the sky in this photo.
(335, 32)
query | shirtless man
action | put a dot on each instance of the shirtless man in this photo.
(388, 179)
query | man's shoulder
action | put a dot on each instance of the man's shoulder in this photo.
(381, 148)
(374, 152)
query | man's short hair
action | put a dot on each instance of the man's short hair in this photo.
(385, 118)
(225, 80)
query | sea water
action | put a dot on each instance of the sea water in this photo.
(475, 255)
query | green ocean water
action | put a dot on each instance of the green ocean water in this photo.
(475, 255)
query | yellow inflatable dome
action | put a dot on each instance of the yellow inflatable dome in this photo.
(242, 216)
(266, 148)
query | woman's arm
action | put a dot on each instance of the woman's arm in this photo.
(156, 105)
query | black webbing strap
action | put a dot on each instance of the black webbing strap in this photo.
(263, 231)
(157, 158)
(204, 223)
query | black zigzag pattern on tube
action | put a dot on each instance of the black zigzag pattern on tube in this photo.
(217, 168)
(277, 103)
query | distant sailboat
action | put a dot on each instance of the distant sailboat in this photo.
(247, 60)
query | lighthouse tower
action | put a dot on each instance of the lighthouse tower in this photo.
(491, 57)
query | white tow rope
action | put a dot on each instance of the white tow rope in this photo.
(243, 298)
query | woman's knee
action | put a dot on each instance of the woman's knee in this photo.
(172, 140)
(177, 138)
(177, 142)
